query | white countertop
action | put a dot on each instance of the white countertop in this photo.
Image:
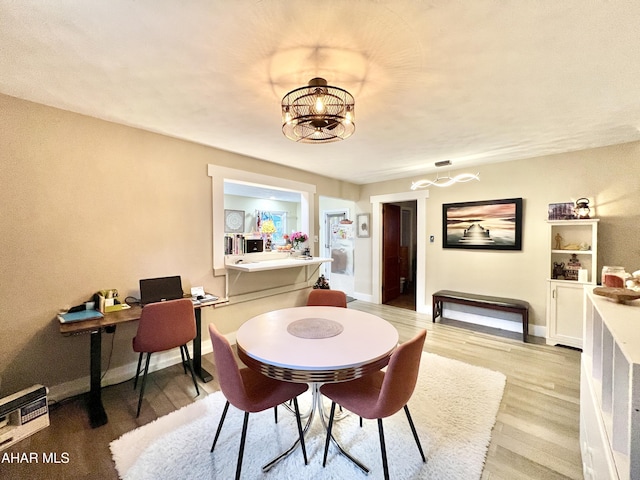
(248, 265)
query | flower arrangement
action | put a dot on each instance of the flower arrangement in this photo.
(268, 227)
(297, 238)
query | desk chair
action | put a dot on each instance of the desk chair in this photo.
(163, 326)
(380, 394)
(250, 391)
(319, 297)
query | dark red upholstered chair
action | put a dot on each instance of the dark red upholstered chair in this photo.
(381, 394)
(250, 391)
(319, 297)
(163, 326)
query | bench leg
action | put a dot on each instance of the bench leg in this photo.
(525, 325)
(436, 309)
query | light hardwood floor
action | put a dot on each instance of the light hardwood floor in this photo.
(535, 436)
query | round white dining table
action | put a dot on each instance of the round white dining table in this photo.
(316, 345)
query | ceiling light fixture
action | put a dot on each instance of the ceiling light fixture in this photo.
(445, 181)
(318, 113)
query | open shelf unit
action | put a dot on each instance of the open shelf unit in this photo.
(565, 290)
(574, 232)
(610, 389)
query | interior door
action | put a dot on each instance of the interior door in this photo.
(390, 252)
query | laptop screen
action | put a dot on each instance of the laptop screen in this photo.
(160, 289)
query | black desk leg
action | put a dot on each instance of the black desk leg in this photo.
(97, 415)
(197, 351)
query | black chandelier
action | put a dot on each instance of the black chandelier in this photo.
(318, 113)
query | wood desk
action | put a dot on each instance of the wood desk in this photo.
(95, 326)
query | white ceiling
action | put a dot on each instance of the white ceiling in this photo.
(473, 81)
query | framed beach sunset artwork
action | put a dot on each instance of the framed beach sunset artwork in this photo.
(483, 225)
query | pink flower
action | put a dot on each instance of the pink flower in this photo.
(298, 237)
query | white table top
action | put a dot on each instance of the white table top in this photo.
(364, 340)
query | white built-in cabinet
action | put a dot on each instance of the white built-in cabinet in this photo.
(610, 389)
(577, 239)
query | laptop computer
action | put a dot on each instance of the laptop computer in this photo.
(160, 289)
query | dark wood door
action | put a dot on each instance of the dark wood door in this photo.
(390, 252)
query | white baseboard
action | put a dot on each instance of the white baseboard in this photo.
(365, 297)
(509, 325)
(122, 373)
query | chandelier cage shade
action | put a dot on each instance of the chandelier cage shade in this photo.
(318, 113)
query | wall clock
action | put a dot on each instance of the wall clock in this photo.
(234, 221)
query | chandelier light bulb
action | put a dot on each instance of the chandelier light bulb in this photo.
(319, 105)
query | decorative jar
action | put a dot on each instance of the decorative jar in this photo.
(613, 276)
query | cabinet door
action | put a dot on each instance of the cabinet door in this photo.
(564, 315)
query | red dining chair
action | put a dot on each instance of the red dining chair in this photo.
(163, 326)
(319, 297)
(380, 394)
(250, 391)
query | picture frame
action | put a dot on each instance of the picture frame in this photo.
(363, 222)
(483, 225)
(562, 211)
(234, 221)
(279, 219)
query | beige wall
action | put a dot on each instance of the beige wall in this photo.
(87, 205)
(609, 176)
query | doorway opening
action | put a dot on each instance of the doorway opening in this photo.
(399, 253)
(337, 238)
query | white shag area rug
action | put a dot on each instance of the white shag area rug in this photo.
(454, 408)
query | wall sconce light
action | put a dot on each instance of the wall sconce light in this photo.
(582, 208)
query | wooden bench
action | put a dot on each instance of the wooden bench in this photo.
(482, 301)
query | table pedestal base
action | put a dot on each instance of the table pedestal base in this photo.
(316, 406)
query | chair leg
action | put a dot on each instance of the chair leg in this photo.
(275, 413)
(300, 433)
(224, 414)
(326, 443)
(193, 375)
(415, 433)
(383, 449)
(144, 381)
(184, 366)
(135, 382)
(242, 440)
